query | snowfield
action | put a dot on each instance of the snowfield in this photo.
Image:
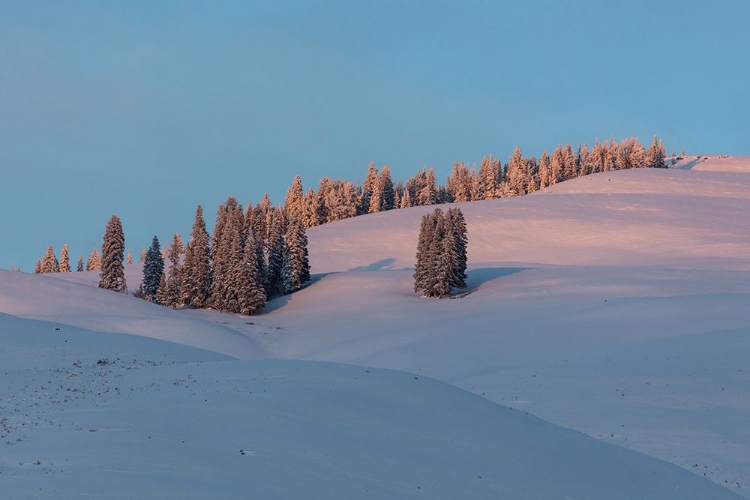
(600, 354)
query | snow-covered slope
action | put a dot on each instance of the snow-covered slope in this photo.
(105, 416)
(614, 305)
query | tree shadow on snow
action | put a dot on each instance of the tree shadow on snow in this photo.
(477, 277)
(381, 265)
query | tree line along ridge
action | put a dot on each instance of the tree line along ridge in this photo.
(260, 252)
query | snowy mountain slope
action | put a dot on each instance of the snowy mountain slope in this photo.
(84, 305)
(632, 217)
(119, 416)
(614, 304)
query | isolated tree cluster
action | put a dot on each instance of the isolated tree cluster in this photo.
(441, 253)
(253, 255)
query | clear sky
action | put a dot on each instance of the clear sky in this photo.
(146, 109)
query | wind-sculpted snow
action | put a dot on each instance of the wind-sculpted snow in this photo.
(94, 415)
(614, 305)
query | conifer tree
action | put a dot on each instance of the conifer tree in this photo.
(387, 189)
(371, 182)
(112, 276)
(64, 259)
(170, 295)
(38, 266)
(142, 256)
(457, 227)
(227, 255)
(423, 268)
(153, 271)
(252, 295)
(441, 253)
(196, 269)
(162, 291)
(129, 258)
(79, 268)
(293, 204)
(49, 262)
(276, 249)
(94, 263)
(297, 264)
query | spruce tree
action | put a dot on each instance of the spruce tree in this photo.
(297, 264)
(275, 257)
(387, 189)
(293, 204)
(112, 275)
(227, 255)
(129, 258)
(196, 269)
(49, 262)
(94, 262)
(79, 268)
(153, 271)
(38, 266)
(441, 253)
(423, 268)
(251, 295)
(171, 295)
(457, 228)
(64, 259)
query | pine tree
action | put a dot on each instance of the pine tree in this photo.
(38, 267)
(49, 262)
(251, 295)
(293, 204)
(275, 257)
(94, 262)
(297, 262)
(655, 154)
(457, 227)
(79, 268)
(196, 269)
(129, 258)
(112, 276)
(423, 268)
(171, 293)
(162, 291)
(371, 182)
(441, 253)
(142, 256)
(227, 255)
(153, 271)
(386, 189)
(64, 259)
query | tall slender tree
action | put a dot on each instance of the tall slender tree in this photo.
(196, 275)
(112, 276)
(64, 259)
(153, 271)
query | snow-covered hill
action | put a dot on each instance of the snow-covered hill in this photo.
(614, 305)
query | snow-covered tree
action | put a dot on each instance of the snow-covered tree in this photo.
(94, 261)
(196, 268)
(112, 276)
(129, 258)
(153, 271)
(296, 262)
(441, 253)
(64, 259)
(170, 292)
(80, 268)
(49, 262)
(252, 294)
(275, 251)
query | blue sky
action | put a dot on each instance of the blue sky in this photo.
(146, 109)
